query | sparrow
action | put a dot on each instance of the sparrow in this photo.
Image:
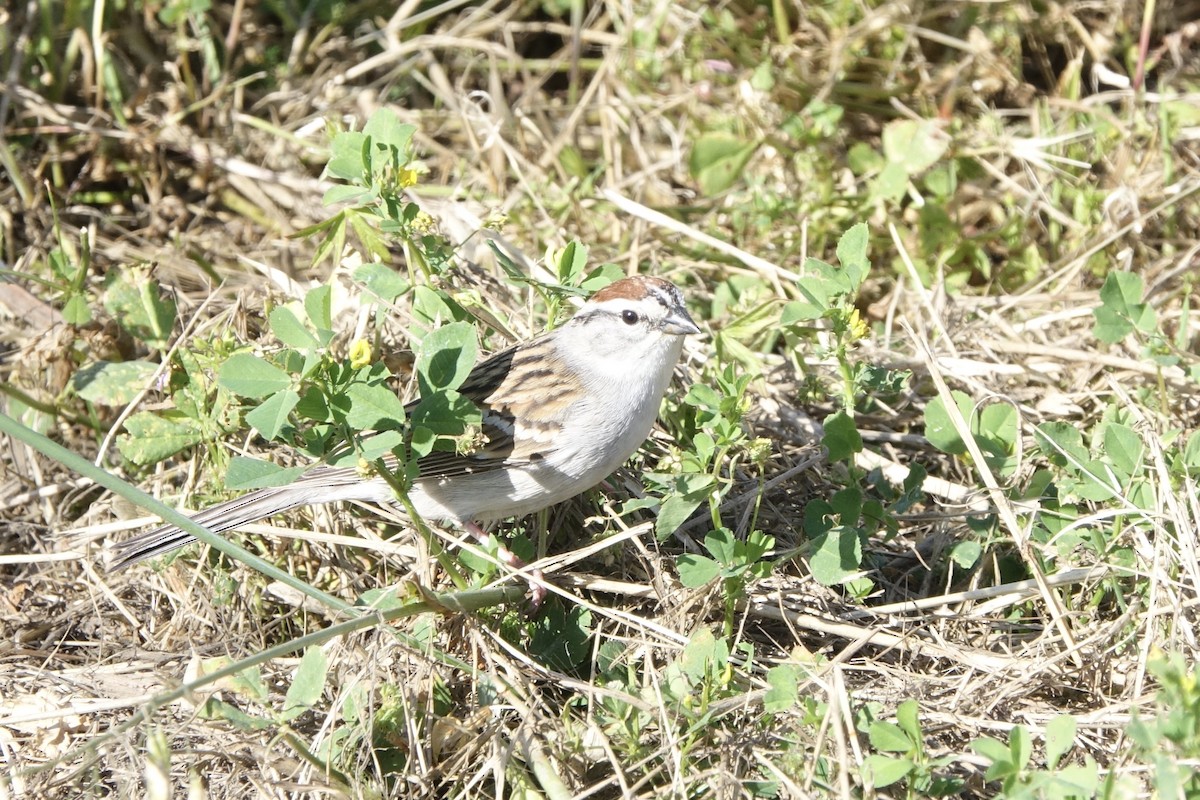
(560, 413)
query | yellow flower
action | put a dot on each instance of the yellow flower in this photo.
(360, 354)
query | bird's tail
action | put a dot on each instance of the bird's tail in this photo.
(319, 486)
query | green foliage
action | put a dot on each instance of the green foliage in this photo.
(1170, 740)
(1010, 764)
(992, 426)
(902, 756)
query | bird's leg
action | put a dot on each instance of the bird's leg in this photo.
(537, 592)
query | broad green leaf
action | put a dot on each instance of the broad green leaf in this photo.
(447, 356)
(571, 262)
(704, 655)
(940, 429)
(836, 556)
(908, 718)
(966, 554)
(151, 437)
(318, 304)
(915, 145)
(890, 183)
(784, 688)
(374, 407)
(290, 330)
(720, 543)
(842, 438)
(1060, 738)
(1061, 443)
(76, 311)
(346, 161)
(248, 375)
(254, 473)
(381, 280)
(132, 299)
(889, 738)
(883, 771)
(717, 161)
(696, 570)
(308, 683)
(852, 253)
(219, 709)
(1020, 745)
(690, 490)
(354, 195)
(271, 415)
(112, 383)
(386, 130)
(1123, 447)
(1122, 310)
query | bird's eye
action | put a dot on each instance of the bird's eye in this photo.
(629, 317)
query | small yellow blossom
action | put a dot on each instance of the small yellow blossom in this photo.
(360, 354)
(407, 178)
(856, 326)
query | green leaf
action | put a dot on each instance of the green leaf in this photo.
(381, 280)
(346, 160)
(219, 709)
(132, 299)
(386, 130)
(837, 556)
(852, 253)
(1020, 745)
(696, 570)
(290, 330)
(318, 304)
(842, 438)
(721, 544)
(447, 356)
(250, 376)
(572, 262)
(76, 311)
(1123, 447)
(889, 738)
(308, 683)
(914, 145)
(1061, 443)
(717, 161)
(783, 690)
(907, 717)
(1060, 738)
(704, 655)
(966, 554)
(379, 445)
(254, 473)
(112, 383)
(374, 407)
(1191, 453)
(690, 490)
(445, 412)
(271, 415)
(890, 184)
(883, 771)
(152, 437)
(1121, 310)
(940, 429)
(354, 195)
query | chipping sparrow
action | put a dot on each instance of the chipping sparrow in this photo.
(560, 413)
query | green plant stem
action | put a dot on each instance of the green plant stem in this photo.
(400, 490)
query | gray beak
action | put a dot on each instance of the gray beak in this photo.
(679, 323)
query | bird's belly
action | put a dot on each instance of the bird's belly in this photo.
(501, 493)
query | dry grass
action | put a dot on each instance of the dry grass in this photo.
(203, 187)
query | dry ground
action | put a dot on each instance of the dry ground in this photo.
(543, 128)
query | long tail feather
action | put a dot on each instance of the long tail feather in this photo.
(322, 485)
